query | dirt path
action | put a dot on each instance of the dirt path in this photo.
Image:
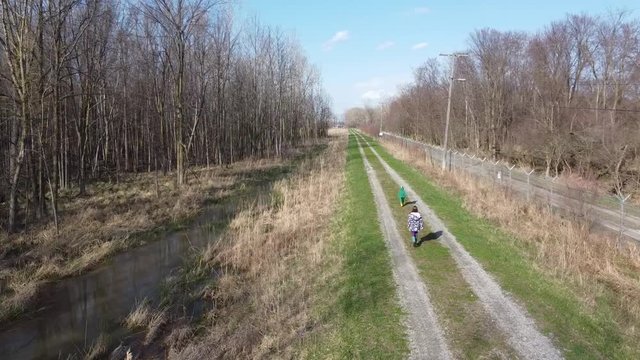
(520, 330)
(426, 338)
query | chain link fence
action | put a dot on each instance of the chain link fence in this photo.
(610, 212)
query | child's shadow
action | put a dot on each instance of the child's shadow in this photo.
(409, 203)
(430, 236)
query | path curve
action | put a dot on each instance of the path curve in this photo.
(519, 328)
(426, 337)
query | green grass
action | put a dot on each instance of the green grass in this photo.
(361, 315)
(469, 328)
(581, 333)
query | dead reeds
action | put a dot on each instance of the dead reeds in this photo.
(112, 218)
(98, 349)
(139, 317)
(565, 248)
(271, 256)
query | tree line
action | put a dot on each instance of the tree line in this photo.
(92, 89)
(563, 99)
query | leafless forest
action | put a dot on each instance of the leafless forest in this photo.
(92, 89)
(565, 100)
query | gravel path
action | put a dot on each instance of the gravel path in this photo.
(426, 338)
(520, 330)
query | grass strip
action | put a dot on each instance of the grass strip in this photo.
(583, 333)
(362, 317)
(471, 332)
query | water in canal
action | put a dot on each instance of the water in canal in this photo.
(73, 312)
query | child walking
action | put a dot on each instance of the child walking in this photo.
(415, 224)
(402, 195)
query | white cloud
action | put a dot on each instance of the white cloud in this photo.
(378, 88)
(421, 10)
(372, 95)
(372, 83)
(338, 37)
(419, 46)
(374, 89)
(385, 45)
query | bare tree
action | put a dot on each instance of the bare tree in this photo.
(19, 40)
(94, 89)
(562, 99)
(178, 19)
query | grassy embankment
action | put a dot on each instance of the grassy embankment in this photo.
(113, 217)
(307, 275)
(469, 329)
(578, 286)
(365, 319)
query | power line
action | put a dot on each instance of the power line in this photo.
(453, 58)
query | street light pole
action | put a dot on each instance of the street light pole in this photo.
(453, 57)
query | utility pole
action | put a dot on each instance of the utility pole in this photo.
(453, 58)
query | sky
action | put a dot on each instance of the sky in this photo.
(366, 50)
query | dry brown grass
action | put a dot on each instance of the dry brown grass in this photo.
(271, 260)
(23, 290)
(178, 337)
(567, 249)
(105, 222)
(139, 317)
(98, 349)
(156, 321)
(337, 132)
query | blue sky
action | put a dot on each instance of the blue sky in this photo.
(366, 49)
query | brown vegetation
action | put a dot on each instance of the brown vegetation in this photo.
(98, 349)
(565, 248)
(562, 100)
(269, 263)
(139, 317)
(111, 218)
(95, 89)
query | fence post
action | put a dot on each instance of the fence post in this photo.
(550, 199)
(455, 159)
(497, 172)
(623, 199)
(511, 179)
(431, 155)
(471, 164)
(529, 185)
(452, 154)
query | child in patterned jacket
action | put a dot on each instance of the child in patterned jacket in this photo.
(415, 224)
